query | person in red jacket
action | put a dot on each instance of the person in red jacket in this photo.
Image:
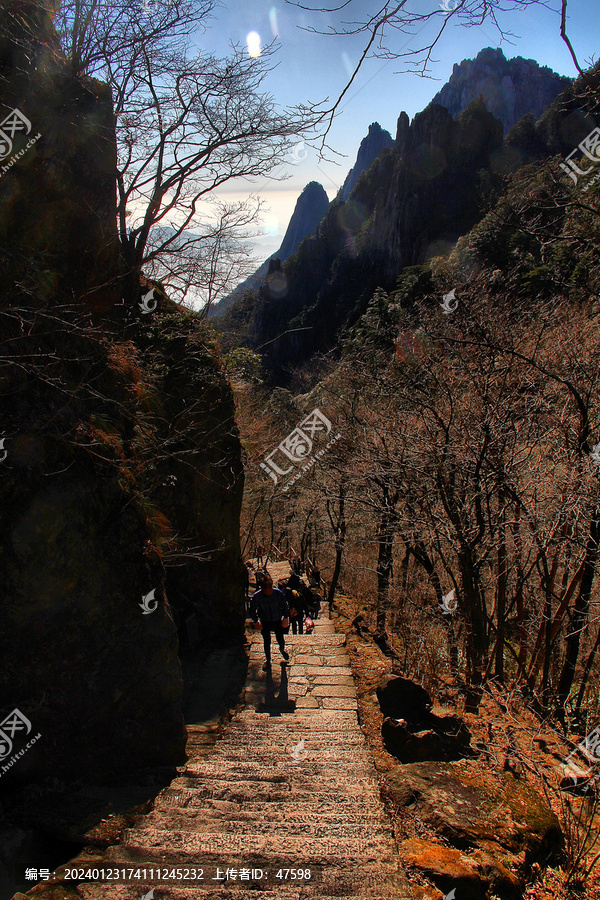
(270, 611)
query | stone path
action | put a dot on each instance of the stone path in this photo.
(291, 785)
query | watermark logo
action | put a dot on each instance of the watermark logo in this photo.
(299, 153)
(451, 895)
(449, 603)
(447, 305)
(445, 5)
(15, 721)
(149, 895)
(148, 303)
(297, 448)
(4, 452)
(590, 748)
(595, 455)
(590, 147)
(146, 603)
(299, 753)
(14, 123)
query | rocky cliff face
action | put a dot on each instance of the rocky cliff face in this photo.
(310, 208)
(371, 146)
(510, 88)
(120, 469)
(415, 199)
(432, 192)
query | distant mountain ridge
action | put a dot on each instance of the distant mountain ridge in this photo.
(310, 208)
(510, 88)
(415, 201)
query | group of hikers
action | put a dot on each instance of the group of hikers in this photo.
(274, 609)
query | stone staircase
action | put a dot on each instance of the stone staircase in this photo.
(289, 786)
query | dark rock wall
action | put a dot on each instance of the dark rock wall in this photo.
(120, 470)
(58, 200)
(433, 194)
(197, 482)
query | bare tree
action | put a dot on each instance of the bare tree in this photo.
(187, 123)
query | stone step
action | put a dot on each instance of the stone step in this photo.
(310, 670)
(261, 728)
(283, 791)
(269, 792)
(285, 768)
(261, 731)
(291, 819)
(301, 656)
(321, 721)
(301, 780)
(256, 849)
(323, 651)
(334, 639)
(257, 739)
(242, 800)
(347, 806)
(302, 703)
(300, 723)
(194, 822)
(288, 752)
(285, 762)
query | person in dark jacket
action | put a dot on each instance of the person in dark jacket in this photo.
(296, 603)
(270, 612)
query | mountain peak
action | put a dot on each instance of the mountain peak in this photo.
(371, 146)
(310, 208)
(510, 88)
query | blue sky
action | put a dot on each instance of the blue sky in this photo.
(312, 67)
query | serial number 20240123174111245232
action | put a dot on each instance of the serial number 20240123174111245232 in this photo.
(182, 874)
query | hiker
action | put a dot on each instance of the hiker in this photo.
(282, 586)
(315, 577)
(270, 612)
(306, 599)
(296, 603)
(259, 555)
(248, 572)
(316, 605)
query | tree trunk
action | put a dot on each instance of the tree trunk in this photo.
(420, 554)
(477, 637)
(548, 636)
(384, 566)
(340, 542)
(581, 609)
(502, 580)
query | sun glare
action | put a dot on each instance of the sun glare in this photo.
(253, 42)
